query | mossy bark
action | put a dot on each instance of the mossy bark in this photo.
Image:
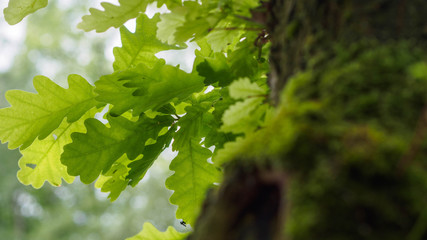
(350, 79)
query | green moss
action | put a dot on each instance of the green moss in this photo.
(342, 134)
(348, 180)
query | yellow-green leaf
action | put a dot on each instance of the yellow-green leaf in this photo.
(192, 178)
(37, 115)
(18, 9)
(149, 232)
(41, 161)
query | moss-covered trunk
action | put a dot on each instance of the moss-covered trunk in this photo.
(345, 157)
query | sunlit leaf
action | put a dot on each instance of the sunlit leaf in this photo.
(228, 152)
(113, 15)
(146, 88)
(168, 24)
(193, 176)
(37, 115)
(244, 88)
(198, 21)
(141, 46)
(242, 117)
(192, 125)
(149, 232)
(243, 60)
(223, 35)
(114, 180)
(18, 9)
(40, 162)
(95, 151)
(139, 167)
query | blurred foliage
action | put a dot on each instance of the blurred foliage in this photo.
(54, 47)
(352, 136)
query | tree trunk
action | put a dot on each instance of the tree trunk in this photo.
(354, 102)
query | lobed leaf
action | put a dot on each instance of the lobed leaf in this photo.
(149, 232)
(37, 115)
(18, 9)
(244, 88)
(40, 162)
(145, 88)
(242, 116)
(192, 178)
(113, 15)
(168, 24)
(223, 35)
(192, 125)
(170, 4)
(95, 151)
(215, 69)
(139, 167)
(114, 180)
(242, 60)
(141, 46)
(228, 152)
(199, 20)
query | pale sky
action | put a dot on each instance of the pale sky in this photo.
(12, 38)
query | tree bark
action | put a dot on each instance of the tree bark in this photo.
(355, 169)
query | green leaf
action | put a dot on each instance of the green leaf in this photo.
(95, 151)
(18, 9)
(40, 162)
(37, 115)
(192, 178)
(215, 137)
(198, 22)
(242, 117)
(228, 152)
(141, 46)
(189, 21)
(243, 60)
(149, 232)
(224, 35)
(113, 15)
(145, 88)
(244, 7)
(114, 180)
(168, 24)
(138, 168)
(170, 4)
(244, 88)
(192, 124)
(215, 69)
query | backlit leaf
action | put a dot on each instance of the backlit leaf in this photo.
(223, 35)
(244, 88)
(37, 115)
(139, 167)
(215, 69)
(168, 24)
(192, 125)
(192, 178)
(40, 162)
(141, 46)
(198, 21)
(18, 9)
(149, 232)
(95, 151)
(114, 180)
(242, 117)
(145, 88)
(113, 15)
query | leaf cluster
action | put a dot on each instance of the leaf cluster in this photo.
(146, 105)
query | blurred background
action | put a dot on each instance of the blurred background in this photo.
(48, 43)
